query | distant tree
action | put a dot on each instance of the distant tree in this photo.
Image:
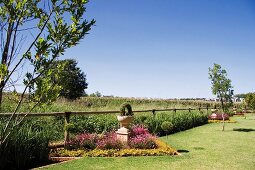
(221, 86)
(250, 100)
(96, 94)
(71, 79)
(243, 95)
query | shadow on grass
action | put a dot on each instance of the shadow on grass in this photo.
(199, 148)
(182, 151)
(243, 130)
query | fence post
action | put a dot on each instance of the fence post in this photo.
(154, 112)
(67, 121)
(174, 110)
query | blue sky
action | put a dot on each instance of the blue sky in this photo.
(162, 49)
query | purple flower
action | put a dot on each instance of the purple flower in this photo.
(138, 130)
(143, 141)
(109, 141)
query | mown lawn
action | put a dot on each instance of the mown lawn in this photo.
(204, 147)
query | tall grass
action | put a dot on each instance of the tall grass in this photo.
(26, 146)
(107, 103)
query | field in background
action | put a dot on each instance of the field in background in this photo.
(111, 103)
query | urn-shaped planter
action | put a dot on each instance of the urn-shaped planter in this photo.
(125, 120)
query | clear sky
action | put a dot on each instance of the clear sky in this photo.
(162, 49)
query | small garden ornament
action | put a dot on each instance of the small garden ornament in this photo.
(125, 118)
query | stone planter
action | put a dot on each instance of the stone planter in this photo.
(125, 120)
(123, 131)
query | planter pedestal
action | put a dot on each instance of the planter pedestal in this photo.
(122, 134)
(123, 131)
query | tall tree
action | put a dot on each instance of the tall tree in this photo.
(71, 79)
(35, 33)
(221, 86)
(250, 100)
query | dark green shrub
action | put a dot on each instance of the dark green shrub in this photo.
(26, 146)
(180, 121)
(166, 126)
(126, 110)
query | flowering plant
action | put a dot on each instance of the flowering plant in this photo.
(219, 116)
(109, 141)
(138, 130)
(140, 138)
(145, 141)
(85, 141)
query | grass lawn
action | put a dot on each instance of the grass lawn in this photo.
(205, 147)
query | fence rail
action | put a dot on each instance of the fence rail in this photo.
(68, 114)
(101, 112)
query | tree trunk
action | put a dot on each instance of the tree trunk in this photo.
(4, 58)
(222, 104)
(1, 99)
(223, 126)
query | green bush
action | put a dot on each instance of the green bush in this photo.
(180, 121)
(26, 146)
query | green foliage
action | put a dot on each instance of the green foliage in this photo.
(96, 94)
(69, 126)
(221, 86)
(56, 26)
(126, 110)
(93, 124)
(70, 78)
(180, 121)
(27, 146)
(166, 126)
(250, 100)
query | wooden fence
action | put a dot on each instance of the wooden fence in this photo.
(68, 114)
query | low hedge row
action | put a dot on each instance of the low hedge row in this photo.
(181, 120)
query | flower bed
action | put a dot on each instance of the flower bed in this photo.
(141, 143)
(220, 121)
(162, 149)
(218, 116)
(239, 114)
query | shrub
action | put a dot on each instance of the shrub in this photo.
(140, 138)
(138, 130)
(26, 146)
(109, 141)
(126, 110)
(83, 141)
(143, 141)
(180, 121)
(219, 116)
